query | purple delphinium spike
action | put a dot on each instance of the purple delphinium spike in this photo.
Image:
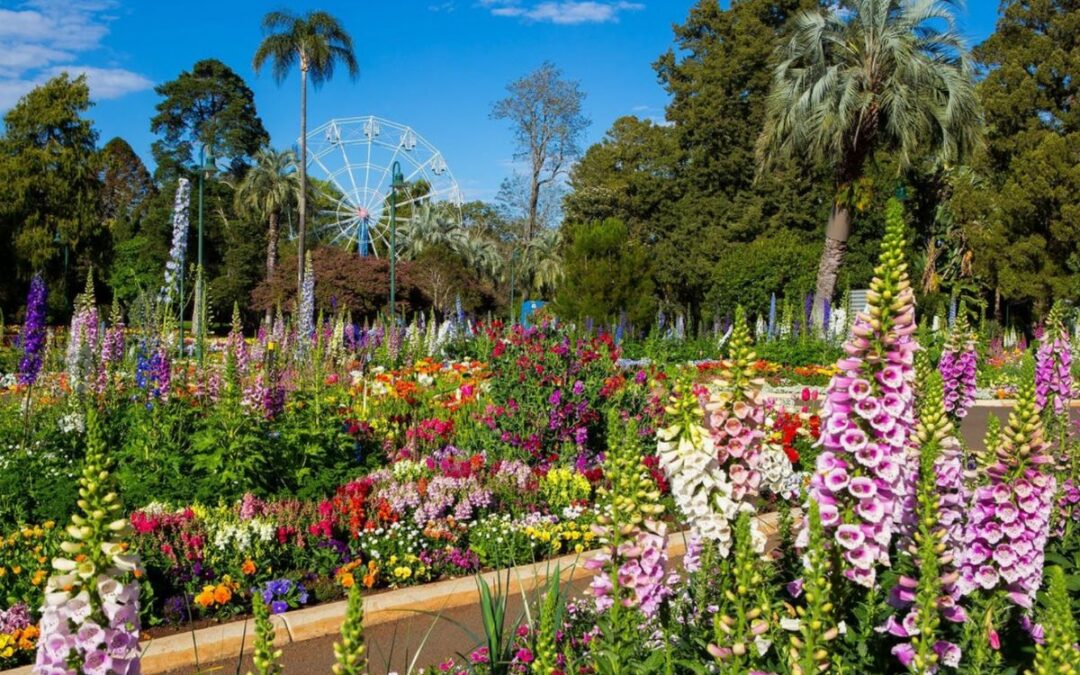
(32, 338)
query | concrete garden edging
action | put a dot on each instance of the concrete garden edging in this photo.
(227, 641)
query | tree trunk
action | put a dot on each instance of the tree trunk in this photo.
(534, 205)
(836, 235)
(271, 245)
(303, 178)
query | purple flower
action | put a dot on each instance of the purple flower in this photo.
(32, 337)
(279, 607)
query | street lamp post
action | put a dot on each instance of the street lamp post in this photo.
(397, 182)
(206, 166)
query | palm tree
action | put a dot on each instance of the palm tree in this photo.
(543, 264)
(430, 226)
(317, 43)
(269, 187)
(863, 76)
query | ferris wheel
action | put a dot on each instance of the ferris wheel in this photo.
(350, 162)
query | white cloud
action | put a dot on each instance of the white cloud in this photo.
(42, 38)
(564, 12)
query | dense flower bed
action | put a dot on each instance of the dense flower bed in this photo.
(321, 458)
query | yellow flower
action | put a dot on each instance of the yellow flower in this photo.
(402, 572)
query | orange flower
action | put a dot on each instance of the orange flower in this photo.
(222, 594)
(347, 580)
(248, 568)
(372, 575)
(206, 598)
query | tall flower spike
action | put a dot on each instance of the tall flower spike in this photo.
(32, 338)
(547, 649)
(740, 628)
(1059, 654)
(1009, 520)
(174, 267)
(349, 651)
(736, 416)
(933, 596)
(958, 366)
(90, 620)
(634, 550)
(305, 324)
(864, 469)
(1053, 363)
(264, 657)
(699, 485)
(808, 653)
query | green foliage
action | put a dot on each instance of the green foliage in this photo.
(607, 275)
(1059, 654)
(783, 262)
(1020, 206)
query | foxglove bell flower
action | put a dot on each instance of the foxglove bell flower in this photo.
(958, 366)
(736, 416)
(90, 619)
(1009, 517)
(699, 485)
(868, 418)
(1053, 364)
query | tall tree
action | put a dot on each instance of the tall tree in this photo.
(1022, 211)
(317, 43)
(211, 105)
(866, 75)
(686, 188)
(268, 189)
(545, 111)
(126, 185)
(50, 186)
(606, 275)
(628, 175)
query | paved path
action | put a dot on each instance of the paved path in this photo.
(392, 646)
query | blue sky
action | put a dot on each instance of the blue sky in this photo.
(436, 65)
